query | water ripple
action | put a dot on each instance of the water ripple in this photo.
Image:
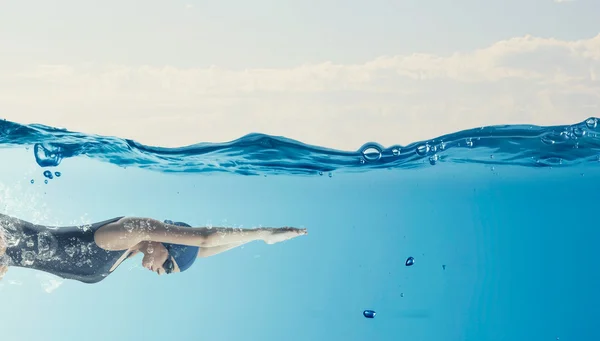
(257, 154)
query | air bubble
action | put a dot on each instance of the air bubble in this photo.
(396, 151)
(45, 157)
(47, 245)
(591, 123)
(70, 250)
(128, 227)
(547, 140)
(443, 145)
(371, 153)
(57, 174)
(469, 142)
(410, 261)
(12, 239)
(46, 181)
(433, 159)
(27, 258)
(423, 149)
(369, 314)
(330, 174)
(31, 181)
(85, 227)
(578, 132)
(48, 174)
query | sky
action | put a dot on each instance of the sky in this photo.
(331, 73)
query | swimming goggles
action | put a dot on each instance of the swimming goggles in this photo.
(168, 265)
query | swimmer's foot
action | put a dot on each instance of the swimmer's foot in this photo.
(283, 234)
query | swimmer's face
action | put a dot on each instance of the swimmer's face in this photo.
(157, 258)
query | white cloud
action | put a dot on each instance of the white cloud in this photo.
(392, 99)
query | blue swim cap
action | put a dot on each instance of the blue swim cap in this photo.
(184, 255)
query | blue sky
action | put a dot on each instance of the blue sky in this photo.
(344, 72)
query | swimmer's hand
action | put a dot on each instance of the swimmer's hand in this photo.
(279, 235)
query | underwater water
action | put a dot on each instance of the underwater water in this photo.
(501, 224)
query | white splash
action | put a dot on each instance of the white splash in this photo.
(49, 283)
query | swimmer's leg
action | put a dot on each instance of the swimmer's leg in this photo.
(128, 232)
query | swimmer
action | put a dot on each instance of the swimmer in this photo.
(91, 253)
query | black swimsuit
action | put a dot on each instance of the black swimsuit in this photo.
(67, 252)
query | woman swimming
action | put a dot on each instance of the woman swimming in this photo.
(90, 253)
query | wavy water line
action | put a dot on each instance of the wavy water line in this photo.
(256, 154)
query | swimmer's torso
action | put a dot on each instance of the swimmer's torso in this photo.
(67, 252)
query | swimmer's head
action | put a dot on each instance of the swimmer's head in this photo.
(181, 257)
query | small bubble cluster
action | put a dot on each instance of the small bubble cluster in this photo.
(48, 175)
(423, 149)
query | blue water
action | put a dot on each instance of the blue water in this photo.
(502, 223)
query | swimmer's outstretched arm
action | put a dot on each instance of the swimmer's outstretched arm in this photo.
(128, 232)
